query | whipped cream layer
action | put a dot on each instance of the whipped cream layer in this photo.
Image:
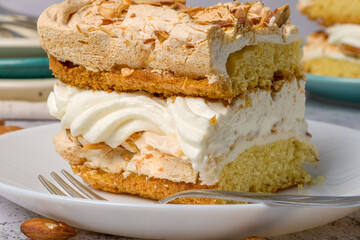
(208, 135)
(155, 37)
(344, 34)
(329, 44)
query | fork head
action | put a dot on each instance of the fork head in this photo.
(87, 193)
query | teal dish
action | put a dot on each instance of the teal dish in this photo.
(334, 88)
(25, 68)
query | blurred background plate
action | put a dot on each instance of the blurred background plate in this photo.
(34, 90)
(20, 48)
(27, 7)
(37, 67)
(334, 88)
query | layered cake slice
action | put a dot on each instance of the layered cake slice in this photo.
(157, 97)
(334, 52)
(330, 12)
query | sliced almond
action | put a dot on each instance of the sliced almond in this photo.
(162, 35)
(240, 13)
(126, 71)
(106, 21)
(122, 8)
(107, 12)
(222, 23)
(127, 2)
(350, 50)
(192, 11)
(281, 15)
(159, 2)
(109, 32)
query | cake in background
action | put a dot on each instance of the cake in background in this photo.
(334, 51)
(157, 97)
(330, 12)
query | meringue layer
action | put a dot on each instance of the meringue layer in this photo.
(159, 38)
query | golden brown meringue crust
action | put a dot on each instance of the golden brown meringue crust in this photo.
(189, 43)
(245, 69)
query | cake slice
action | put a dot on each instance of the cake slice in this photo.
(170, 50)
(329, 12)
(334, 52)
(157, 97)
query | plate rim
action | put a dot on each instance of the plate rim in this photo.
(97, 202)
(19, 43)
(332, 79)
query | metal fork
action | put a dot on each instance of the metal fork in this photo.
(275, 199)
(71, 191)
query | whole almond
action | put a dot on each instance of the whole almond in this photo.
(46, 229)
(7, 129)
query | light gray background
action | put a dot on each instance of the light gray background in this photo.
(35, 7)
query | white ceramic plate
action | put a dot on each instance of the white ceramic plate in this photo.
(34, 90)
(26, 154)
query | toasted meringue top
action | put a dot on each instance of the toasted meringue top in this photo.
(334, 44)
(191, 42)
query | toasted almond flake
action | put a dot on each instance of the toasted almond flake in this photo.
(193, 11)
(203, 22)
(150, 40)
(350, 50)
(122, 8)
(189, 46)
(106, 12)
(127, 43)
(282, 14)
(126, 157)
(179, 6)
(132, 15)
(107, 31)
(78, 28)
(127, 2)
(184, 84)
(126, 72)
(88, 13)
(222, 23)
(213, 120)
(106, 21)
(92, 29)
(240, 13)
(162, 35)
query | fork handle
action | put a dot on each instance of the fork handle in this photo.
(276, 199)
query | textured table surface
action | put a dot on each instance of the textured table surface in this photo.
(12, 215)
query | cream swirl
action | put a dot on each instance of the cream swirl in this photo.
(108, 117)
(344, 34)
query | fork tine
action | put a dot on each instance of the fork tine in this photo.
(66, 186)
(85, 190)
(50, 187)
